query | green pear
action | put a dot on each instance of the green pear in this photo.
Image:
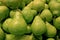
(57, 23)
(46, 15)
(13, 4)
(4, 12)
(50, 39)
(38, 5)
(55, 7)
(51, 30)
(38, 26)
(29, 14)
(17, 24)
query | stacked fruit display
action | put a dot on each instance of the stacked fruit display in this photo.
(29, 19)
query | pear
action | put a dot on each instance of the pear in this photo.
(51, 30)
(46, 15)
(57, 23)
(38, 5)
(55, 7)
(46, 6)
(17, 24)
(29, 14)
(38, 26)
(4, 12)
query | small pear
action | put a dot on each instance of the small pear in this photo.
(51, 30)
(4, 12)
(17, 24)
(50, 39)
(55, 7)
(57, 23)
(38, 26)
(29, 14)
(46, 15)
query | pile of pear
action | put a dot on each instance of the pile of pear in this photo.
(29, 20)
